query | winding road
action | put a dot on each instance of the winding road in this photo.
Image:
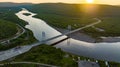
(18, 34)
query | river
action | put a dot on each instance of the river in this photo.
(104, 51)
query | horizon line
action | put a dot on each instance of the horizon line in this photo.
(60, 2)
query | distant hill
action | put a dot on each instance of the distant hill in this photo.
(77, 9)
(10, 4)
(61, 15)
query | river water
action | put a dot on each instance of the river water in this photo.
(104, 51)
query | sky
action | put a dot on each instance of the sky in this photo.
(110, 2)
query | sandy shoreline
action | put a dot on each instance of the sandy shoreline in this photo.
(78, 35)
(84, 37)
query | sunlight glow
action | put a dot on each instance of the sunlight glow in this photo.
(89, 1)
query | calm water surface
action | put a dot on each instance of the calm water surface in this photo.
(105, 51)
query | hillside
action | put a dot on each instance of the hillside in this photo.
(77, 10)
(7, 29)
(10, 4)
(78, 15)
(8, 13)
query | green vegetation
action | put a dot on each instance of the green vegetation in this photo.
(61, 15)
(25, 39)
(5, 27)
(111, 64)
(114, 64)
(109, 24)
(47, 55)
(27, 14)
(8, 14)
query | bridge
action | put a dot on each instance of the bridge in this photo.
(68, 33)
(4, 55)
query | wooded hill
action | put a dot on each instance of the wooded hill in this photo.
(7, 29)
(78, 15)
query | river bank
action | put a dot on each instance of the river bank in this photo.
(80, 35)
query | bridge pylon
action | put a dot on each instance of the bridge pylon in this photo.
(69, 29)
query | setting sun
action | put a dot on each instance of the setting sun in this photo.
(89, 1)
